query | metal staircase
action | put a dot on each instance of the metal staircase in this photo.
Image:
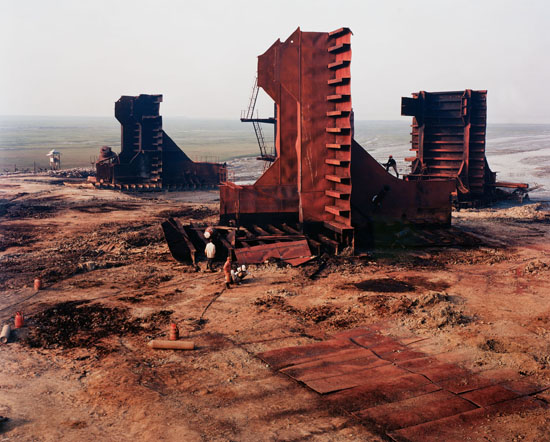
(249, 113)
(247, 116)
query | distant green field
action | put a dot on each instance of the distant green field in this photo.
(25, 141)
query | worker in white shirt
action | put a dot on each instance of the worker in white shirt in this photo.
(210, 252)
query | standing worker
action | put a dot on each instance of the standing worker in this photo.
(227, 271)
(210, 252)
(391, 163)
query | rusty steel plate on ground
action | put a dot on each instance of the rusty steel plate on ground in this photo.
(418, 397)
(292, 252)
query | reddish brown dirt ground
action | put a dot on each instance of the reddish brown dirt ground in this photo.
(82, 370)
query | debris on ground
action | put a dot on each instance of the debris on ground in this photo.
(536, 266)
(81, 324)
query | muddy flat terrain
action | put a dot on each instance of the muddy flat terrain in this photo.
(81, 369)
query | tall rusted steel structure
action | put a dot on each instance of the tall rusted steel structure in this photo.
(322, 177)
(149, 158)
(448, 137)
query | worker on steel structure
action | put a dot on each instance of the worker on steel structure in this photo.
(227, 271)
(210, 252)
(391, 163)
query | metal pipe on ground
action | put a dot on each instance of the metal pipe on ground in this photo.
(171, 345)
(5, 335)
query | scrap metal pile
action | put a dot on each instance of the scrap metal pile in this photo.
(149, 159)
(253, 245)
(326, 185)
(286, 242)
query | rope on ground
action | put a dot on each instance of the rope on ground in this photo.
(216, 296)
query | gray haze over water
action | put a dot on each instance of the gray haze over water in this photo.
(518, 152)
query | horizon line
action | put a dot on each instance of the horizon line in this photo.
(232, 119)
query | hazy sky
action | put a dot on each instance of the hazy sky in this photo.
(69, 57)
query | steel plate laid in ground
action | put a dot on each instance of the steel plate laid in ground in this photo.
(400, 391)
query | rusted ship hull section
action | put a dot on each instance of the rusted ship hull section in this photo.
(395, 200)
(149, 158)
(322, 177)
(448, 139)
(324, 189)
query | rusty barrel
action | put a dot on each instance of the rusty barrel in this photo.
(174, 332)
(19, 320)
(38, 284)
